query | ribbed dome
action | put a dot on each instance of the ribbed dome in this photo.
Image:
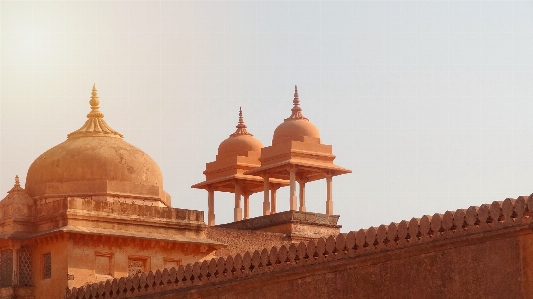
(296, 127)
(94, 153)
(239, 143)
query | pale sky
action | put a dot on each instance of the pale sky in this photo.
(430, 103)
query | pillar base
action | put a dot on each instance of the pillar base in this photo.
(293, 203)
(237, 214)
(266, 208)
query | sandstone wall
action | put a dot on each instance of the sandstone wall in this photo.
(241, 241)
(480, 252)
(487, 270)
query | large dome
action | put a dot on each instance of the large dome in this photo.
(296, 127)
(96, 161)
(239, 143)
(92, 159)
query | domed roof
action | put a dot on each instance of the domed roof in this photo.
(296, 127)
(17, 195)
(239, 143)
(93, 153)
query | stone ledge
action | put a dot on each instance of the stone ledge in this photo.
(284, 218)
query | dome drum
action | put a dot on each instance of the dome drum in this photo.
(102, 190)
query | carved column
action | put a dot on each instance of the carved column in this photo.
(246, 205)
(293, 198)
(210, 207)
(329, 198)
(237, 214)
(266, 201)
(302, 196)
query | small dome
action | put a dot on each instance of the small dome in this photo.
(295, 130)
(238, 146)
(94, 153)
(296, 127)
(17, 195)
(239, 143)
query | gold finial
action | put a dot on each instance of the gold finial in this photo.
(94, 98)
(296, 109)
(95, 125)
(241, 127)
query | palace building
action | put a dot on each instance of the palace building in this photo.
(94, 221)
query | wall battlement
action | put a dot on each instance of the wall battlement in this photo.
(508, 216)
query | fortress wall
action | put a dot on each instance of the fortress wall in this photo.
(491, 269)
(481, 252)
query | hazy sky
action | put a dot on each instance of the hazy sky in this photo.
(430, 103)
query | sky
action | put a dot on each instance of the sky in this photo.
(429, 103)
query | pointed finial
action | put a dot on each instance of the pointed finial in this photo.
(17, 186)
(95, 101)
(95, 125)
(296, 109)
(241, 127)
(296, 100)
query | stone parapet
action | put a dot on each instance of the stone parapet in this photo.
(262, 222)
(475, 225)
(296, 225)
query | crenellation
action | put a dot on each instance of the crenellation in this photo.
(436, 226)
(520, 208)
(495, 212)
(459, 221)
(425, 228)
(471, 219)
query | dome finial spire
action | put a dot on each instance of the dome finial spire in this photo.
(296, 109)
(95, 125)
(17, 186)
(94, 98)
(241, 127)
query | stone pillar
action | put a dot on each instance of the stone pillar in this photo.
(237, 212)
(266, 201)
(273, 208)
(302, 196)
(292, 195)
(329, 198)
(246, 206)
(210, 207)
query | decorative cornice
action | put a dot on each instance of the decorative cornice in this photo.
(241, 127)
(296, 109)
(95, 124)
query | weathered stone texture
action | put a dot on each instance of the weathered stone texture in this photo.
(239, 241)
(483, 270)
